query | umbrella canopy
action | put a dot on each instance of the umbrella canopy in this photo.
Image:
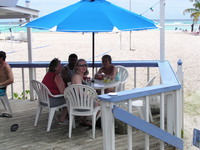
(92, 16)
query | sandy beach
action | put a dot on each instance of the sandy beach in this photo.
(145, 45)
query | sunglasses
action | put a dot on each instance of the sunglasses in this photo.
(82, 65)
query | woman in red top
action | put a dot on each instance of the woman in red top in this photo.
(56, 85)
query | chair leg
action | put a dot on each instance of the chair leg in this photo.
(150, 115)
(74, 122)
(93, 125)
(51, 115)
(141, 112)
(39, 110)
(71, 118)
(141, 109)
(3, 104)
(123, 87)
(6, 103)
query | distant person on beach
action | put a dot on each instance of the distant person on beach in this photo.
(6, 74)
(192, 27)
(199, 28)
(56, 86)
(68, 69)
(107, 70)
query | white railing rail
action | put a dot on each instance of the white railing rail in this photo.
(39, 69)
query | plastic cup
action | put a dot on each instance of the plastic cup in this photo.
(105, 80)
(88, 81)
(108, 79)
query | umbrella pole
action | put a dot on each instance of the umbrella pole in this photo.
(93, 42)
(162, 30)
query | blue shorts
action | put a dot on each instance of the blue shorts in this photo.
(2, 92)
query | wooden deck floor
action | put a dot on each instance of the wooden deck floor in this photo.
(28, 137)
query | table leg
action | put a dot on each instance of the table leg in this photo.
(102, 91)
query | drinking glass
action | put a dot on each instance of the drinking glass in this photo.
(108, 79)
(105, 79)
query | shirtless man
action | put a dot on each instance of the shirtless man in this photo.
(68, 70)
(108, 70)
(6, 75)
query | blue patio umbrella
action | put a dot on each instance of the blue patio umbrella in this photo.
(92, 16)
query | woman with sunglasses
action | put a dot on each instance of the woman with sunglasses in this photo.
(81, 71)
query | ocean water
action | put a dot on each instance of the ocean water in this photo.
(169, 25)
(14, 27)
(181, 25)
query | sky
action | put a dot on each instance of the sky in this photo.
(173, 8)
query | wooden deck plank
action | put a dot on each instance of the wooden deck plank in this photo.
(28, 137)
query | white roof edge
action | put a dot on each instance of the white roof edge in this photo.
(18, 12)
(8, 3)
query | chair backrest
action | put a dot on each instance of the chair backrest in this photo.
(150, 82)
(42, 92)
(123, 73)
(80, 97)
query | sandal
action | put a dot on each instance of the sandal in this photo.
(14, 127)
(65, 122)
(5, 115)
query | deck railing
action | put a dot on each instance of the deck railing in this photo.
(139, 74)
(168, 88)
(169, 91)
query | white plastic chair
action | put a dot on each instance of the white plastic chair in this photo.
(81, 100)
(43, 94)
(123, 77)
(5, 102)
(139, 104)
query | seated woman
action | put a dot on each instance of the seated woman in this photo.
(81, 71)
(56, 86)
(108, 70)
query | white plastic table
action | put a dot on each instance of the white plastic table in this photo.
(99, 84)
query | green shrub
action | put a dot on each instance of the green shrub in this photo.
(23, 95)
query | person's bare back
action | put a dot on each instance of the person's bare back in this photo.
(6, 75)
